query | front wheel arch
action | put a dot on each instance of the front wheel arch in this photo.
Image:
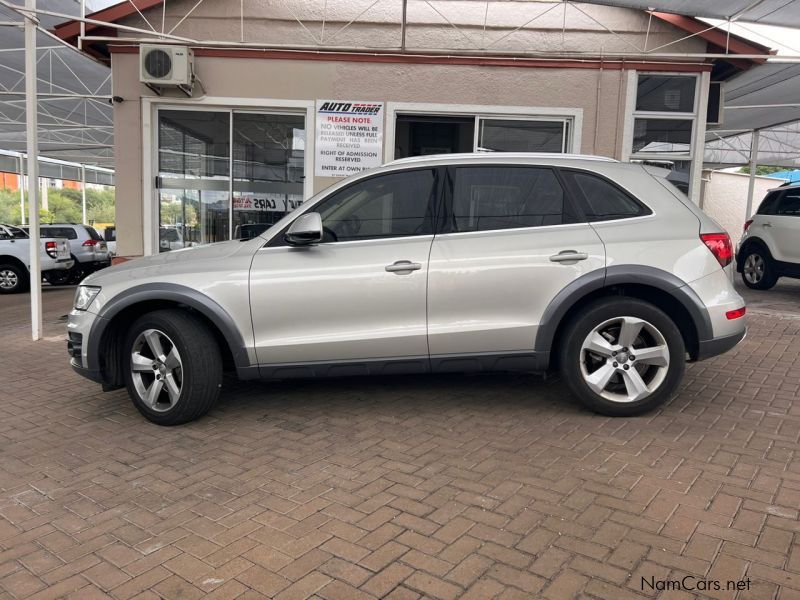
(108, 357)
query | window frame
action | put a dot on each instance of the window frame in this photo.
(444, 222)
(663, 115)
(580, 198)
(434, 207)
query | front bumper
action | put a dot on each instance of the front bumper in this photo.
(715, 347)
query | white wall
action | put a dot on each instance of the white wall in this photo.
(725, 198)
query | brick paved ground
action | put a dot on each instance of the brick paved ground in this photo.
(464, 486)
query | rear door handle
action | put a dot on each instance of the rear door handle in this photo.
(402, 266)
(569, 256)
(767, 224)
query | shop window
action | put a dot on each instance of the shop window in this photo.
(421, 135)
(203, 200)
(491, 198)
(518, 135)
(662, 136)
(665, 93)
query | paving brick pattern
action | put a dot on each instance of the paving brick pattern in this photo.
(483, 486)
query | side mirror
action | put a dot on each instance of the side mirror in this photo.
(305, 231)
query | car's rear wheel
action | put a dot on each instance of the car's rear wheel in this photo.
(172, 366)
(13, 279)
(758, 272)
(58, 277)
(622, 356)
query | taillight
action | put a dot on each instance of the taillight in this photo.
(736, 314)
(89, 243)
(747, 224)
(51, 249)
(720, 246)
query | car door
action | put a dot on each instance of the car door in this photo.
(359, 296)
(511, 241)
(784, 227)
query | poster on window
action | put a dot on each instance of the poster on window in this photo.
(267, 202)
(349, 137)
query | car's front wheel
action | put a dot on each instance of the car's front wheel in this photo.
(172, 366)
(622, 356)
(758, 272)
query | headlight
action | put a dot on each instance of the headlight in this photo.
(84, 296)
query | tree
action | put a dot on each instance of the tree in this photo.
(763, 170)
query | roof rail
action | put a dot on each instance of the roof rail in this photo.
(508, 155)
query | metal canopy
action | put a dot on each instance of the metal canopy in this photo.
(74, 113)
(785, 13)
(766, 99)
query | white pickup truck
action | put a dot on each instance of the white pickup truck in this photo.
(15, 258)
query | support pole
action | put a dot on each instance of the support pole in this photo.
(83, 192)
(31, 131)
(21, 190)
(751, 186)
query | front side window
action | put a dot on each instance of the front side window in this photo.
(489, 198)
(789, 205)
(386, 206)
(603, 201)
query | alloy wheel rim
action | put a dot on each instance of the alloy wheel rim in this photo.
(624, 359)
(754, 268)
(157, 370)
(8, 279)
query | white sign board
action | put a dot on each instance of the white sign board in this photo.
(349, 137)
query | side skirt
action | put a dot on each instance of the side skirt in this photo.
(448, 363)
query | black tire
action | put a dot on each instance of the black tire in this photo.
(200, 372)
(59, 277)
(573, 365)
(14, 279)
(755, 281)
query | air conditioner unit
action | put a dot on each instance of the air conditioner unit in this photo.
(161, 66)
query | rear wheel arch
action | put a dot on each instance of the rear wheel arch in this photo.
(660, 288)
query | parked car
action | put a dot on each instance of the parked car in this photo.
(15, 255)
(770, 245)
(88, 248)
(600, 269)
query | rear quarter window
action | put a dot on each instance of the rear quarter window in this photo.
(93, 234)
(602, 200)
(768, 205)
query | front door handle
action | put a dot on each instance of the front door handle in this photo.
(569, 256)
(402, 266)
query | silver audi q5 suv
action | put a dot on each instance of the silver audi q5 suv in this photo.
(599, 269)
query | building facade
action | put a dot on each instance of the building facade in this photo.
(271, 118)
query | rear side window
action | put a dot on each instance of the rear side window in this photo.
(601, 200)
(59, 232)
(491, 198)
(769, 204)
(93, 234)
(789, 205)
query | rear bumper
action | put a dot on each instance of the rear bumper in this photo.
(715, 347)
